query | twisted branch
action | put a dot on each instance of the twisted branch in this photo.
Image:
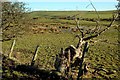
(99, 33)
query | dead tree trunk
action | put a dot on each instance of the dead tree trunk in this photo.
(35, 56)
(82, 59)
(12, 47)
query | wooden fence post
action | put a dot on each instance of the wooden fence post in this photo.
(82, 59)
(12, 47)
(35, 56)
(69, 62)
(62, 51)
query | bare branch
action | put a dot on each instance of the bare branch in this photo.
(88, 5)
(83, 33)
(96, 35)
(77, 24)
(95, 9)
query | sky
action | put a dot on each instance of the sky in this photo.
(67, 0)
(61, 5)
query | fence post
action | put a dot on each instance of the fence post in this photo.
(69, 62)
(82, 59)
(35, 56)
(12, 47)
(62, 51)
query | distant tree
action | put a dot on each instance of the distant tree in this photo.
(13, 18)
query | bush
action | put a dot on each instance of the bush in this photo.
(13, 15)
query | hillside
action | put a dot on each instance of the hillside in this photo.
(53, 30)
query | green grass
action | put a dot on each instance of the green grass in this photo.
(100, 53)
(50, 44)
(83, 14)
(45, 17)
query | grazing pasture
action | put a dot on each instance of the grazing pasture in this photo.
(53, 30)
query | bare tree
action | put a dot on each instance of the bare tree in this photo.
(77, 53)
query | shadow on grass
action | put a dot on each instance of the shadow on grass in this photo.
(16, 71)
(39, 73)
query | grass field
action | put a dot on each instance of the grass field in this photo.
(84, 14)
(101, 55)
